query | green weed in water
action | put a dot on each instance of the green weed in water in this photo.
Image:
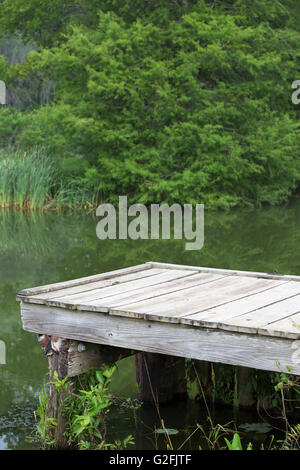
(85, 408)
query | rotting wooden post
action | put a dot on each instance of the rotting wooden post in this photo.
(161, 378)
(58, 362)
(70, 358)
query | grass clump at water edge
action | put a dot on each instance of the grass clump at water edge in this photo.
(31, 180)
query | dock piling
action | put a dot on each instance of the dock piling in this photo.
(160, 377)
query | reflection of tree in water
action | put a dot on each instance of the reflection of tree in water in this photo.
(42, 248)
(254, 240)
(35, 233)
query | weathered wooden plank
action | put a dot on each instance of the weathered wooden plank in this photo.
(121, 287)
(229, 272)
(171, 307)
(156, 290)
(85, 356)
(80, 289)
(288, 327)
(82, 280)
(250, 322)
(88, 290)
(213, 317)
(172, 339)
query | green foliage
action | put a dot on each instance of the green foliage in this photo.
(215, 438)
(26, 179)
(292, 441)
(167, 101)
(44, 424)
(283, 380)
(212, 436)
(12, 121)
(72, 167)
(34, 19)
(262, 389)
(236, 444)
(33, 180)
(86, 411)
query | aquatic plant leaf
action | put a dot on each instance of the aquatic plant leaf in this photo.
(256, 427)
(166, 431)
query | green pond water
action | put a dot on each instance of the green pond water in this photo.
(38, 249)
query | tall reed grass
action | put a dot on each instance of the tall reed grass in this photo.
(26, 179)
(30, 180)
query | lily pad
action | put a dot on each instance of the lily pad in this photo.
(166, 431)
(260, 428)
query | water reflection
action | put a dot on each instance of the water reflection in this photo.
(38, 249)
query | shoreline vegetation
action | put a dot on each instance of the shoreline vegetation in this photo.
(34, 181)
(169, 102)
(30, 180)
(165, 102)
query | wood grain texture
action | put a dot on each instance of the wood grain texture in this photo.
(263, 317)
(171, 307)
(230, 272)
(215, 316)
(121, 287)
(82, 280)
(93, 356)
(90, 286)
(267, 353)
(240, 301)
(288, 327)
(157, 289)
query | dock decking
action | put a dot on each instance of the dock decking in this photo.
(235, 317)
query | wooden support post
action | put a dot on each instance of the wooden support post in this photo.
(70, 358)
(208, 375)
(245, 391)
(202, 371)
(161, 378)
(58, 362)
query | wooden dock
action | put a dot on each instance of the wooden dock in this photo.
(163, 314)
(233, 317)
